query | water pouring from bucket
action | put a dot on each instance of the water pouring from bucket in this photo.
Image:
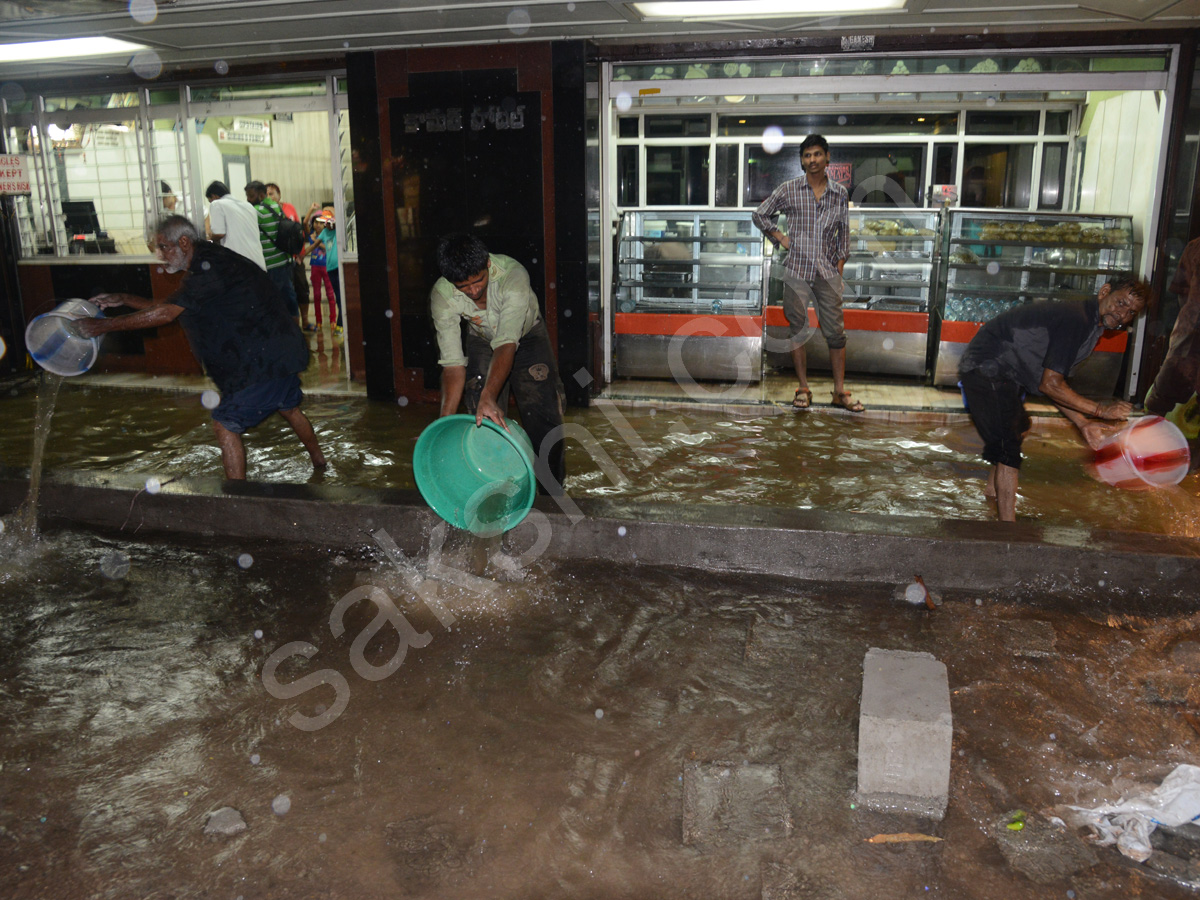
(56, 343)
(1148, 453)
(477, 477)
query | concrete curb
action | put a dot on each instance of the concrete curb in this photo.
(1121, 571)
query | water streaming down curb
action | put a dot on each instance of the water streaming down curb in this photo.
(24, 520)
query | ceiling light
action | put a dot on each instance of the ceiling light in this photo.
(745, 9)
(67, 48)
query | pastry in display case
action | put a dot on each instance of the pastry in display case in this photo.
(996, 260)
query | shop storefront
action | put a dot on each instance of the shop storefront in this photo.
(105, 167)
(976, 183)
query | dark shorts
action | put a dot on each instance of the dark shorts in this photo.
(248, 407)
(826, 298)
(998, 410)
(535, 383)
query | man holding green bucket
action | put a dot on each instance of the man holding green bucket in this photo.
(507, 346)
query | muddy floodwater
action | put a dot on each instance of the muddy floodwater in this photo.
(818, 460)
(531, 736)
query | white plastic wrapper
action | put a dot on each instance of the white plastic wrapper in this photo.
(1128, 822)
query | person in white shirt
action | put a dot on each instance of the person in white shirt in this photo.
(234, 223)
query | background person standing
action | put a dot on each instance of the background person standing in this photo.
(234, 223)
(817, 245)
(279, 264)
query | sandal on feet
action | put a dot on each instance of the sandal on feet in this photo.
(843, 400)
(803, 399)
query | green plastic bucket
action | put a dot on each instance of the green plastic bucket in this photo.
(478, 478)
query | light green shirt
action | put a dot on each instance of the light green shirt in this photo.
(512, 309)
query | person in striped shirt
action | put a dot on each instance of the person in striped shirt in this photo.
(279, 264)
(817, 244)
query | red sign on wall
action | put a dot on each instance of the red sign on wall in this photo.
(839, 172)
(14, 175)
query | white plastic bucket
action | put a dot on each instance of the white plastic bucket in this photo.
(1149, 453)
(55, 343)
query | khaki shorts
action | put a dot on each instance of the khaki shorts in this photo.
(826, 297)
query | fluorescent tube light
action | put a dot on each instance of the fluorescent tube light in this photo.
(67, 48)
(746, 9)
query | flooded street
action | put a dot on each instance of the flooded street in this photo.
(685, 455)
(538, 745)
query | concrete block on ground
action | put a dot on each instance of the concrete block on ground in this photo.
(904, 733)
(733, 803)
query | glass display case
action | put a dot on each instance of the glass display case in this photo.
(995, 260)
(892, 257)
(890, 277)
(707, 261)
(688, 292)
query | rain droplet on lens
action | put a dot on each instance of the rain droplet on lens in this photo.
(153, 485)
(621, 531)
(599, 714)
(245, 560)
(12, 92)
(321, 837)
(993, 268)
(281, 804)
(388, 313)
(143, 11)
(566, 315)
(258, 633)
(888, 343)
(402, 400)
(772, 139)
(206, 265)
(210, 399)
(254, 758)
(624, 101)
(519, 21)
(841, 120)
(221, 67)
(146, 64)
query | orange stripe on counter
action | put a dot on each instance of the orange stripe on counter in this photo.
(962, 332)
(703, 325)
(863, 320)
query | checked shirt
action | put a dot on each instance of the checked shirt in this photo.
(818, 230)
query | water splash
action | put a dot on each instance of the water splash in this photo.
(24, 521)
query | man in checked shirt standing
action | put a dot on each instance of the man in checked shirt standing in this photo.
(817, 245)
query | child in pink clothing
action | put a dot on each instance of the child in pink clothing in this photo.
(320, 277)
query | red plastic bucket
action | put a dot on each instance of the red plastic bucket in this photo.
(1149, 453)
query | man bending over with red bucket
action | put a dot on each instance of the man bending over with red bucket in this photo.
(1033, 348)
(239, 329)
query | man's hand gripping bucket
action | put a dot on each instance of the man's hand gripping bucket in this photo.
(479, 478)
(55, 342)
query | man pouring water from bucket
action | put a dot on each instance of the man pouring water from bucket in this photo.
(507, 346)
(239, 329)
(1033, 348)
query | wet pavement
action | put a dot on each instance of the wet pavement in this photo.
(496, 728)
(529, 732)
(821, 460)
